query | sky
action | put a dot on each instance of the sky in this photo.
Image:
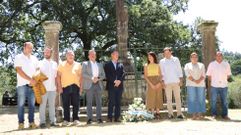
(226, 13)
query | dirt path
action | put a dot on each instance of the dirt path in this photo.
(8, 125)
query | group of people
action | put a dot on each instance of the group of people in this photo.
(70, 79)
(168, 75)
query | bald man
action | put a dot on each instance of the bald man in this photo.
(69, 85)
(26, 66)
(218, 73)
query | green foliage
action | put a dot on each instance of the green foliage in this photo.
(235, 61)
(8, 82)
(88, 24)
(234, 94)
(151, 26)
(236, 67)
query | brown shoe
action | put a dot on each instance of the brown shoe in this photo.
(214, 117)
(20, 126)
(200, 116)
(226, 118)
(194, 117)
(32, 125)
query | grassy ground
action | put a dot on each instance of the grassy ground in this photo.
(208, 126)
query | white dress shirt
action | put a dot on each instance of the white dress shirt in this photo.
(115, 64)
(171, 70)
(28, 65)
(196, 71)
(219, 73)
(95, 69)
(49, 68)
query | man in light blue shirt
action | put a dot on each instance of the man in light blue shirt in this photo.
(172, 80)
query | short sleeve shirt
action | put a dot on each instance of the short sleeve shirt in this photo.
(49, 68)
(219, 73)
(29, 66)
(196, 71)
(70, 74)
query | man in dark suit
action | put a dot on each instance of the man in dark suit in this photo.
(115, 76)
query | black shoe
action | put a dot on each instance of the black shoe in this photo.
(117, 120)
(109, 120)
(89, 121)
(170, 117)
(99, 121)
(53, 124)
(157, 116)
(43, 125)
(180, 117)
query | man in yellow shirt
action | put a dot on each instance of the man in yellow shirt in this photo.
(69, 85)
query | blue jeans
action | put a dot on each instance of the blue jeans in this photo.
(196, 99)
(24, 92)
(215, 91)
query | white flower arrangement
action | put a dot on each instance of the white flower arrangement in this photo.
(137, 112)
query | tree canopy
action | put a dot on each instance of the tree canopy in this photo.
(90, 23)
(87, 24)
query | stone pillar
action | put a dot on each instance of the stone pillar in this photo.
(208, 29)
(52, 29)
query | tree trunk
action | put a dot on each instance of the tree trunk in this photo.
(87, 47)
(122, 34)
(208, 29)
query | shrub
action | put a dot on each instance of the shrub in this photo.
(234, 93)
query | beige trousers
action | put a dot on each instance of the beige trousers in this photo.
(175, 88)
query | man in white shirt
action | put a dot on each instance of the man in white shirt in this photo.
(26, 66)
(93, 75)
(49, 68)
(218, 73)
(172, 80)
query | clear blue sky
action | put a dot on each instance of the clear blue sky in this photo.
(226, 13)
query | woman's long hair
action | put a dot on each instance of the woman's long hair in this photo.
(153, 55)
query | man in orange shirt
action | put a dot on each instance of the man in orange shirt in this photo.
(69, 85)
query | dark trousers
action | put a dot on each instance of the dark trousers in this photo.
(114, 100)
(70, 96)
